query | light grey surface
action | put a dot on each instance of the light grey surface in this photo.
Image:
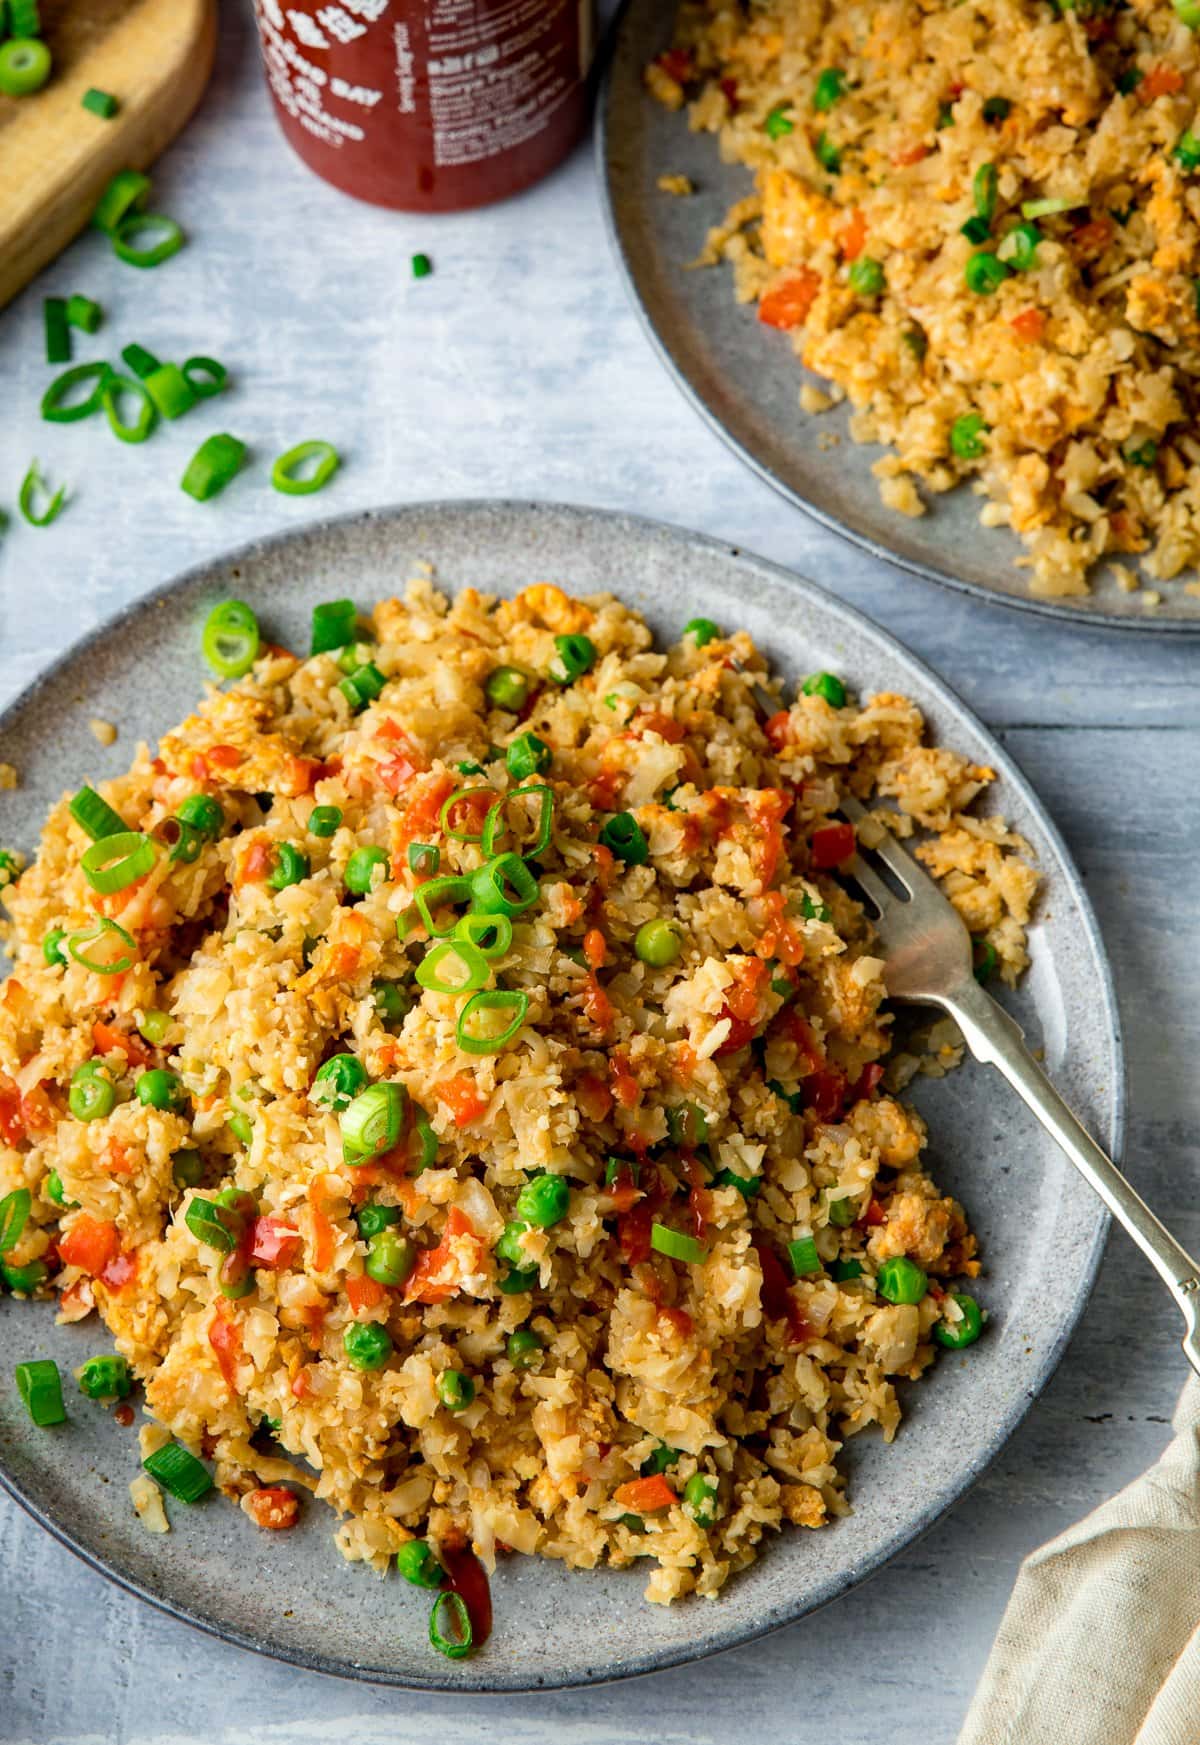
(1040, 1227)
(519, 368)
(746, 380)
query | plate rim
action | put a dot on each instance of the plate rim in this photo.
(1077, 616)
(780, 1614)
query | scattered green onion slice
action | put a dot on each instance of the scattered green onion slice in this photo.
(490, 934)
(33, 485)
(505, 886)
(624, 836)
(52, 947)
(450, 1629)
(574, 656)
(422, 266)
(291, 866)
(997, 109)
(214, 463)
(24, 18)
(116, 861)
(496, 822)
(205, 376)
(40, 1387)
(109, 932)
(901, 1280)
(170, 390)
(1019, 248)
(14, 1212)
(126, 193)
(495, 1000)
(58, 409)
(58, 333)
(428, 973)
(777, 123)
(844, 1270)
(829, 156)
(135, 224)
(528, 756)
(687, 1125)
(334, 623)
(25, 65)
(983, 273)
(241, 1126)
(372, 1122)
(447, 813)
(214, 1225)
(1045, 208)
(230, 641)
(803, 1257)
(983, 189)
(830, 85)
(287, 477)
(676, 1246)
(966, 436)
(95, 815)
(424, 858)
(112, 389)
(437, 893)
(101, 103)
(178, 1472)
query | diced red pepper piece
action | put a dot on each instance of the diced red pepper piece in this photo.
(273, 1243)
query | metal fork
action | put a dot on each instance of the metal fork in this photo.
(927, 960)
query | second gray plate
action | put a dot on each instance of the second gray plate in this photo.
(290, 1594)
(745, 380)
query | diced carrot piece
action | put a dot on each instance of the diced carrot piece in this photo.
(365, 1293)
(90, 1243)
(787, 305)
(643, 1496)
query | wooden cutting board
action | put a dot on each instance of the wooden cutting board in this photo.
(154, 56)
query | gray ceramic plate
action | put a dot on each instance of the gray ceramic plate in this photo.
(745, 380)
(290, 1594)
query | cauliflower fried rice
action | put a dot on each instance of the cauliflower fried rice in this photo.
(616, 1287)
(980, 222)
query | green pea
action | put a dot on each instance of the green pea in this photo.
(507, 688)
(374, 1218)
(159, 1089)
(187, 1168)
(455, 1390)
(360, 869)
(105, 1378)
(544, 1200)
(417, 1563)
(657, 943)
(155, 1026)
(524, 1348)
(25, 1278)
(518, 1279)
(290, 867)
(390, 1258)
(338, 1081)
(509, 1245)
(843, 1212)
(700, 1499)
(866, 277)
(528, 756)
(701, 631)
(367, 1345)
(901, 1280)
(826, 685)
(92, 1095)
(324, 820)
(964, 1332)
(662, 1458)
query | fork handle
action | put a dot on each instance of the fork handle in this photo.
(996, 1039)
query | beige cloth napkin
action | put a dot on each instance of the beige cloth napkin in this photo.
(1100, 1644)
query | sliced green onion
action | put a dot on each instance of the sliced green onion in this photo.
(52, 947)
(230, 641)
(187, 1167)
(455, 1390)
(843, 1212)
(95, 816)
(126, 232)
(116, 861)
(109, 932)
(426, 1139)
(496, 822)
(829, 156)
(126, 193)
(205, 376)
(24, 18)
(966, 436)
(844, 1270)
(777, 124)
(111, 392)
(25, 1278)
(214, 463)
(505, 886)
(490, 934)
(983, 273)
(687, 1125)
(428, 973)
(417, 1563)
(1188, 13)
(424, 858)
(178, 1472)
(214, 1225)
(14, 1212)
(170, 390)
(291, 866)
(984, 191)
(105, 1378)
(574, 656)
(1045, 208)
(830, 85)
(58, 333)
(362, 686)
(334, 623)
(450, 1629)
(976, 230)
(1019, 248)
(997, 109)
(57, 409)
(447, 812)
(803, 1257)
(676, 1246)
(241, 1126)
(25, 65)
(287, 477)
(372, 1122)
(101, 103)
(324, 820)
(439, 893)
(55, 1191)
(495, 1000)
(33, 485)
(143, 363)
(422, 266)
(40, 1386)
(987, 960)
(624, 836)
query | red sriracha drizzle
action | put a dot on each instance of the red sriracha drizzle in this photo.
(466, 1577)
(777, 1300)
(831, 845)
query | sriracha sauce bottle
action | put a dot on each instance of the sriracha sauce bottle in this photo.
(429, 105)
